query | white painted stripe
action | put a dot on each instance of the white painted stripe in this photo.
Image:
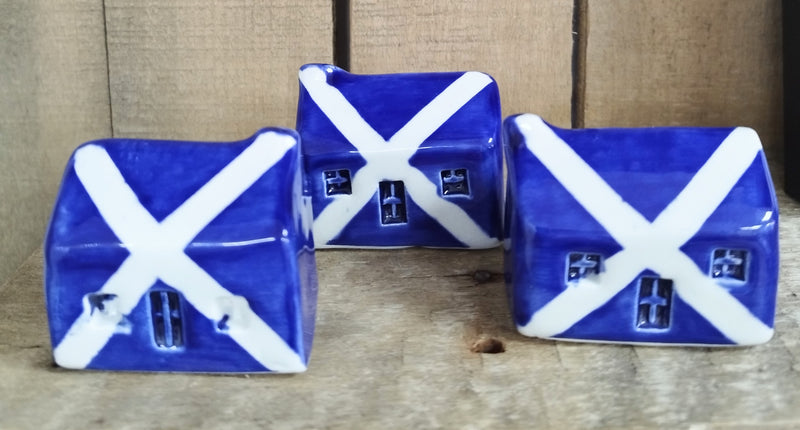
(685, 215)
(655, 246)
(579, 300)
(90, 333)
(84, 339)
(104, 183)
(245, 326)
(341, 113)
(335, 217)
(225, 187)
(448, 214)
(394, 166)
(618, 217)
(431, 117)
(713, 302)
(164, 259)
(339, 213)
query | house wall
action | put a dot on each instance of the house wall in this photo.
(192, 69)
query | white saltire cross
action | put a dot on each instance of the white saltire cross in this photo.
(402, 146)
(646, 245)
(157, 252)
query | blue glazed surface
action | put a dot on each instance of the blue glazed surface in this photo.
(258, 248)
(467, 140)
(648, 169)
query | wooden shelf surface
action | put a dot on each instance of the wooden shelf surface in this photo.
(394, 347)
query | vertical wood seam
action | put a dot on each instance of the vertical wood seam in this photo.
(341, 33)
(580, 36)
(791, 108)
(108, 72)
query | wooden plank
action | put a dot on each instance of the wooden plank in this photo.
(200, 70)
(684, 62)
(526, 46)
(393, 349)
(53, 96)
(791, 96)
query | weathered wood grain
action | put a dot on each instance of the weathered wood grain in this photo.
(393, 349)
(396, 329)
(683, 62)
(194, 69)
(53, 97)
(526, 46)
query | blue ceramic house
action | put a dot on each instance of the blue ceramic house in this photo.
(182, 256)
(652, 235)
(402, 159)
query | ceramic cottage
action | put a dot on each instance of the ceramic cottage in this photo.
(656, 235)
(182, 256)
(402, 159)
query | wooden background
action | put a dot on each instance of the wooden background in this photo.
(76, 70)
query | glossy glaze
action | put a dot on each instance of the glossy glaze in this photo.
(652, 235)
(401, 159)
(182, 256)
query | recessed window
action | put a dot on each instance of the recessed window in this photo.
(165, 313)
(454, 182)
(655, 303)
(393, 202)
(729, 264)
(102, 302)
(337, 182)
(583, 264)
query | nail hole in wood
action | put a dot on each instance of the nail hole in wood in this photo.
(481, 276)
(488, 346)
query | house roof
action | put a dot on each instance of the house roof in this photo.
(162, 176)
(387, 102)
(646, 167)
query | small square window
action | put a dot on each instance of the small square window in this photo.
(655, 303)
(729, 264)
(102, 302)
(337, 182)
(165, 313)
(454, 182)
(393, 202)
(583, 264)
